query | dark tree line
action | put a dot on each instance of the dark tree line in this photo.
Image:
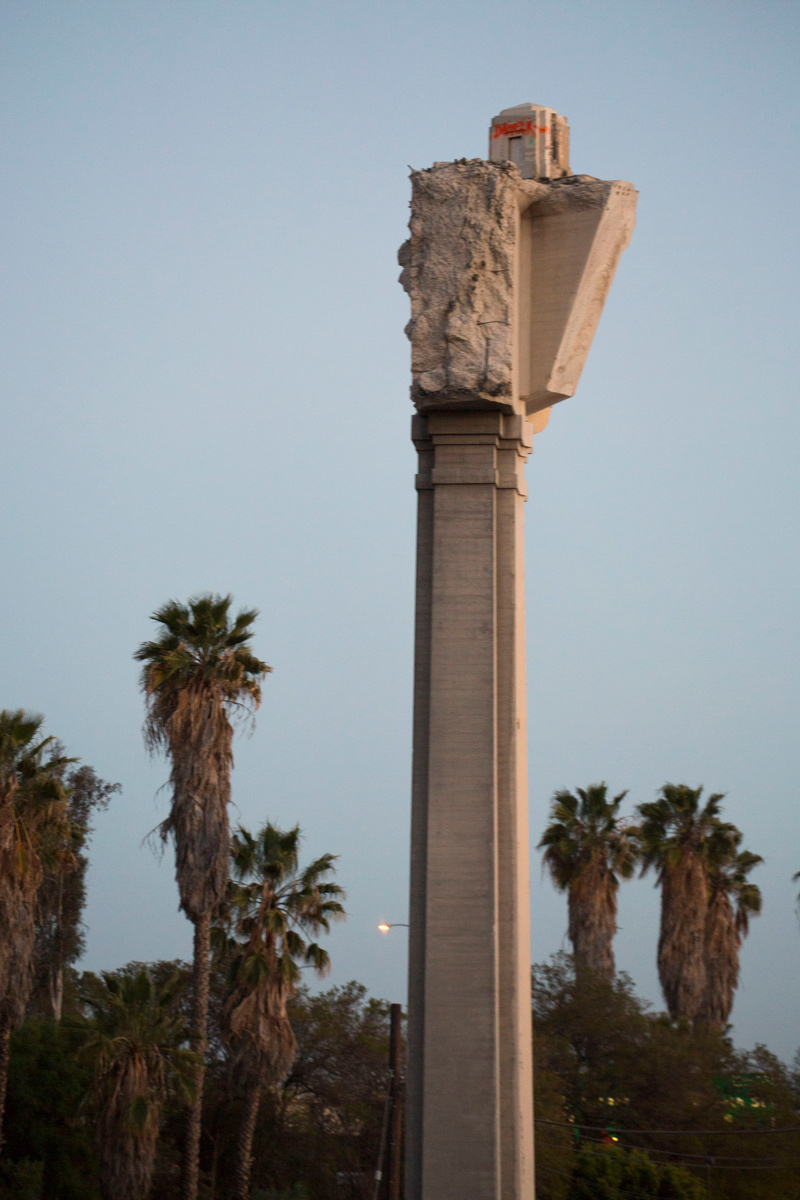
(608, 1072)
(317, 1133)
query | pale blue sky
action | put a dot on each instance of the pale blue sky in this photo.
(205, 386)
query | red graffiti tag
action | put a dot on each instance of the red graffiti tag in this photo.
(516, 128)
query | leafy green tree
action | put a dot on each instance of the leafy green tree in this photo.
(587, 848)
(321, 1128)
(61, 897)
(605, 1173)
(683, 840)
(629, 1072)
(733, 899)
(32, 805)
(555, 1140)
(21, 1180)
(137, 1047)
(273, 907)
(197, 677)
(47, 1125)
(613, 1056)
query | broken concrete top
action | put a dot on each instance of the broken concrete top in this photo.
(507, 279)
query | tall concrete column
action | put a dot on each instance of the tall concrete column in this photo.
(470, 941)
(507, 277)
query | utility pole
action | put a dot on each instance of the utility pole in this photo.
(388, 1184)
(507, 267)
(395, 1167)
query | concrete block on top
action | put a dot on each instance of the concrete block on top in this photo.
(507, 279)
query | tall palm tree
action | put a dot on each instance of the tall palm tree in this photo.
(273, 907)
(137, 1042)
(733, 899)
(32, 806)
(198, 676)
(681, 839)
(587, 848)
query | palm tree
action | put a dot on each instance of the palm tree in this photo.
(32, 804)
(198, 677)
(682, 839)
(273, 906)
(586, 850)
(137, 1043)
(733, 900)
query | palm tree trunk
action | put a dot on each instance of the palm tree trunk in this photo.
(5, 1041)
(246, 1143)
(200, 982)
(55, 983)
(55, 990)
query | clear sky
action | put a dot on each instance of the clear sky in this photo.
(205, 387)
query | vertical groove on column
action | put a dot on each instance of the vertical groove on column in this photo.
(516, 1067)
(419, 824)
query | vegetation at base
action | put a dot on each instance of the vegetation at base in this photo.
(48, 1134)
(317, 1133)
(623, 1070)
(612, 1174)
(606, 1068)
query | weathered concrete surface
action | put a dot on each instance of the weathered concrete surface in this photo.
(458, 269)
(507, 279)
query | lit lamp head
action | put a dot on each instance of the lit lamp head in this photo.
(384, 928)
(534, 138)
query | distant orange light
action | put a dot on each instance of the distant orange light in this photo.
(384, 928)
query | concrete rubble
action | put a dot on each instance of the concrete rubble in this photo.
(507, 279)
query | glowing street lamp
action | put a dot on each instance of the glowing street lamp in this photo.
(384, 928)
